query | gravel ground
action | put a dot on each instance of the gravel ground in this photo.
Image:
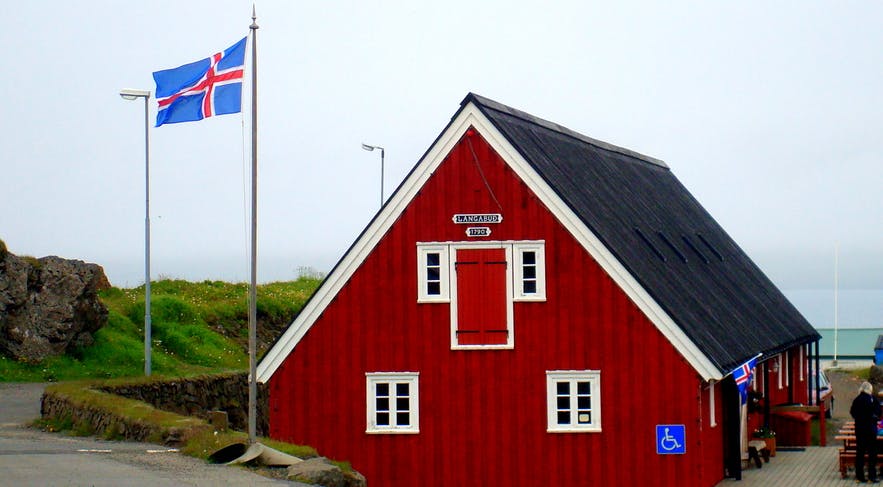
(32, 457)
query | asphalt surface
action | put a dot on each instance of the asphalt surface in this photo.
(31, 457)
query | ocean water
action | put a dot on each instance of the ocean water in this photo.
(851, 342)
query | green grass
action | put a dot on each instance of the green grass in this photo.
(863, 373)
(197, 328)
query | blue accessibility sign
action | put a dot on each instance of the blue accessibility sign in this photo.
(671, 439)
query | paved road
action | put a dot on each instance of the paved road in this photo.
(30, 457)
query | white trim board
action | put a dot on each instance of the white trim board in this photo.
(470, 115)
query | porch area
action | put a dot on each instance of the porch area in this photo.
(813, 467)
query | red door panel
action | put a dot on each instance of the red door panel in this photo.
(481, 297)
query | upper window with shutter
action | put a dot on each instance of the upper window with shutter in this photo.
(483, 310)
(481, 281)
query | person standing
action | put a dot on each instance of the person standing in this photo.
(865, 411)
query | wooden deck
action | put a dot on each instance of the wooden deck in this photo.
(814, 467)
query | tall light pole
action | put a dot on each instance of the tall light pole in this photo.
(134, 95)
(370, 148)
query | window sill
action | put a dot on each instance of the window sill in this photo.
(529, 299)
(509, 346)
(392, 432)
(433, 300)
(574, 430)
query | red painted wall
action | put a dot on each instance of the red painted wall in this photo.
(483, 413)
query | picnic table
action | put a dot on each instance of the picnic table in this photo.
(846, 453)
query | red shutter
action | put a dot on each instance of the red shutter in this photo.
(481, 297)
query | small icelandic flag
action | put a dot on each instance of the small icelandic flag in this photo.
(742, 374)
(201, 89)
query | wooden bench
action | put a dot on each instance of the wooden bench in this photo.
(847, 460)
(756, 450)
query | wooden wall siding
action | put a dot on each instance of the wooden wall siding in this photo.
(796, 392)
(483, 413)
(800, 387)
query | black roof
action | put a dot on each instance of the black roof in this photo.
(668, 242)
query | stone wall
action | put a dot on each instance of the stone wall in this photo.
(101, 422)
(197, 396)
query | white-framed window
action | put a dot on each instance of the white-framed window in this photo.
(573, 401)
(530, 272)
(393, 403)
(433, 271)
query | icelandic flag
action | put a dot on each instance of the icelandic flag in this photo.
(201, 89)
(742, 374)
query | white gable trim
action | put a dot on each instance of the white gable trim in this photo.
(471, 116)
(363, 247)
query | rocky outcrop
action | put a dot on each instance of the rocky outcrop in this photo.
(48, 305)
(320, 471)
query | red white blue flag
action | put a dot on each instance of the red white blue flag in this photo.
(742, 374)
(201, 89)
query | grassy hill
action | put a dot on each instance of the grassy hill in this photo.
(197, 328)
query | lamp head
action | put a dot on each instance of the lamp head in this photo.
(367, 147)
(130, 94)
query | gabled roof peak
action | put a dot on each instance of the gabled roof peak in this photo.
(487, 103)
(711, 302)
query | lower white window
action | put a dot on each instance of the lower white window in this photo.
(392, 402)
(573, 400)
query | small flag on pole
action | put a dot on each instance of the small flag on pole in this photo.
(742, 374)
(201, 89)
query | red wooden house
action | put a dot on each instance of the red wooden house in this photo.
(533, 307)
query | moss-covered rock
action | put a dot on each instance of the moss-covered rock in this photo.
(48, 305)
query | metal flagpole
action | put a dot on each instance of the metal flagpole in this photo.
(252, 293)
(836, 286)
(147, 325)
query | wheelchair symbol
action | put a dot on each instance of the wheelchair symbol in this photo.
(670, 439)
(668, 442)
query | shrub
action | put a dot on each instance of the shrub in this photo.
(164, 309)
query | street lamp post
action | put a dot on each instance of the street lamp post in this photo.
(370, 148)
(134, 95)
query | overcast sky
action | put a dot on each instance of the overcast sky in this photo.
(770, 113)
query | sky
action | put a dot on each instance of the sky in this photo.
(770, 114)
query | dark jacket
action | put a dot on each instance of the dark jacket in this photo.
(865, 411)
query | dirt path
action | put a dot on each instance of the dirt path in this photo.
(845, 385)
(21, 403)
